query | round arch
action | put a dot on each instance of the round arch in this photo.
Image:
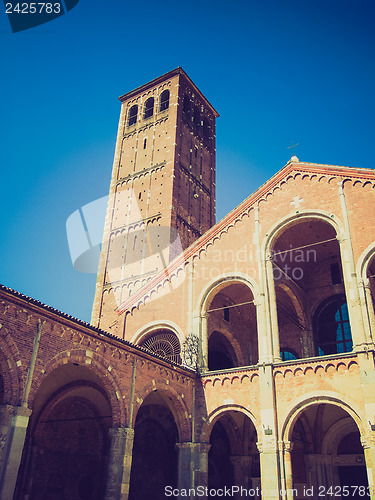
(303, 215)
(215, 415)
(174, 402)
(366, 295)
(364, 260)
(153, 326)
(319, 397)
(216, 284)
(206, 298)
(100, 368)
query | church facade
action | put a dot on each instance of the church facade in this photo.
(229, 359)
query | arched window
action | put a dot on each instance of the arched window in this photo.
(164, 343)
(149, 108)
(186, 105)
(287, 355)
(133, 112)
(164, 100)
(220, 352)
(332, 327)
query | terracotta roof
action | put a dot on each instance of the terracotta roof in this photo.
(86, 325)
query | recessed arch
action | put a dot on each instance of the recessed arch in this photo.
(153, 326)
(68, 435)
(296, 408)
(233, 457)
(218, 412)
(172, 399)
(325, 446)
(220, 282)
(227, 309)
(292, 219)
(303, 253)
(96, 366)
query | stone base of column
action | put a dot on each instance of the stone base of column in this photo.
(192, 465)
(119, 463)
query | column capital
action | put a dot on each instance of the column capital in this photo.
(285, 445)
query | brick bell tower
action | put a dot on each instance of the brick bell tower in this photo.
(162, 192)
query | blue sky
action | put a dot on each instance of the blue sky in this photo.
(278, 72)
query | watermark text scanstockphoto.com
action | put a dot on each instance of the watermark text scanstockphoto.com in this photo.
(307, 491)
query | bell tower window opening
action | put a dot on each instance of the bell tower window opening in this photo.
(333, 328)
(133, 112)
(226, 314)
(164, 100)
(149, 108)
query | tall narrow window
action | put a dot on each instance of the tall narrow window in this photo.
(333, 328)
(133, 112)
(336, 273)
(206, 129)
(186, 105)
(149, 108)
(226, 313)
(164, 100)
(197, 116)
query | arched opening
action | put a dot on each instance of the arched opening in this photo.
(154, 459)
(67, 439)
(132, 117)
(220, 353)
(307, 270)
(233, 459)
(231, 326)
(148, 110)
(164, 100)
(326, 453)
(332, 327)
(164, 343)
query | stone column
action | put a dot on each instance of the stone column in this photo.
(367, 308)
(369, 451)
(192, 465)
(288, 472)
(274, 328)
(13, 425)
(203, 349)
(242, 472)
(119, 463)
